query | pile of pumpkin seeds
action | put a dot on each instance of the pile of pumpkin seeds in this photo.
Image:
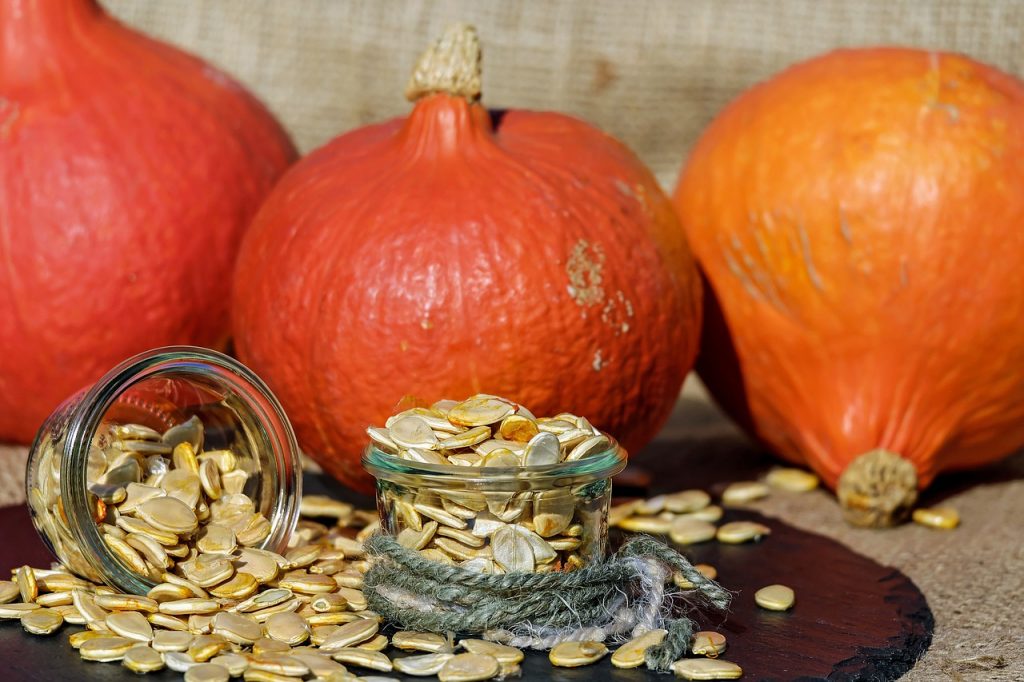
(494, 531)
(306, 619)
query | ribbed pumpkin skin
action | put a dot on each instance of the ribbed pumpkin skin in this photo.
(433, 256)
(859, 218)
(128, 173)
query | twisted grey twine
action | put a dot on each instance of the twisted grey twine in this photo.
(620, 597)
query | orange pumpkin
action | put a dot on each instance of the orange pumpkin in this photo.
(458, 251)
(128, 173)
(859, 220)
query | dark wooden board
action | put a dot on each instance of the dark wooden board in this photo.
(854, 619)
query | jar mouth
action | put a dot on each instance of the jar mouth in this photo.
(178, 362)
(603, 464)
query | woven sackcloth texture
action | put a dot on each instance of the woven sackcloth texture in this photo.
(653, 73)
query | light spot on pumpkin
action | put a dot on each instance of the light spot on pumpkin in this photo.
(404, 345)
(614, 310)
(9, 112)
(584, 270)
(425, 323)
(598, 362)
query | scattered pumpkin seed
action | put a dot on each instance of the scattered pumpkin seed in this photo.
(364, 658)
(706, 669)
(575, 654)
(422, 666)
(742, 492)
(791, 479)
(142, 659)
(736, 532)
(775, 597)
(708, 643)
(42, 621)
(469, 668)
(937, 517)
(631, 654)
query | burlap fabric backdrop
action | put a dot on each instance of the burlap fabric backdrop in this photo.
(652, 73)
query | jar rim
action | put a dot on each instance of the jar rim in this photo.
(602, 464)
(157, 362)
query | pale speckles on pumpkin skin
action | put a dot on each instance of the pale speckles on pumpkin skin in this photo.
(9, 112)
(584, 270)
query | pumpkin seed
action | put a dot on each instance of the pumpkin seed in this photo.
(793, 480)
(237, 628)
(27, 585)
(422, 666)
(480, 411)
(413, 432)
(591, 446)
(170, 640)
(512, 551)
(170, 622)
(706, 669)
(42, 621)
(686, 501)
(684, 531)
(466, 439)
(646, 524)
(169, 514)
(271, 597)
(142, 659)
(184, 607)
(469, 668)
(742, 492)
(364, 658)
(105, 649)
(937, 517)
(76, 639)
(130, 625)
(320, 666)
(775, 597)
(542, 449)
(54, 599)
(736, 532)
(350, 634)
(506, 655)
(631, 654)
(260, 564)
(205, 647)
(207, 672)
(708, 643)
(162, 592)
(288, 628)
(421, 641)
(234, 663)
(238, 586)
(575, 654)
(307, 583)
(412, 539)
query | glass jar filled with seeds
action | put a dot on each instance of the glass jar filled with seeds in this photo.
(486, 485)
(174, 460)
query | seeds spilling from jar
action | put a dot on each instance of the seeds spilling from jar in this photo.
(296, 623)
(515, 526)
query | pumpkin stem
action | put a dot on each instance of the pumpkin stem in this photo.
(878, 489)
(451, 65)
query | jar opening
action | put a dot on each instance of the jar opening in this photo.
(599, 465)
(166, 388)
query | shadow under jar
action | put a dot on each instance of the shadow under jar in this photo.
(124, 435)
(551, 517)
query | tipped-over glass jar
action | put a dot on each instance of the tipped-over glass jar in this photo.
(125, 478)
(532, 496)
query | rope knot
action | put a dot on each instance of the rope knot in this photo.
(614, 599)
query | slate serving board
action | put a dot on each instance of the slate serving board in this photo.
(854, 619)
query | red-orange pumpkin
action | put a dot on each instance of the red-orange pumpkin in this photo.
(128, 173)
(518, 253)
(859, 217)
